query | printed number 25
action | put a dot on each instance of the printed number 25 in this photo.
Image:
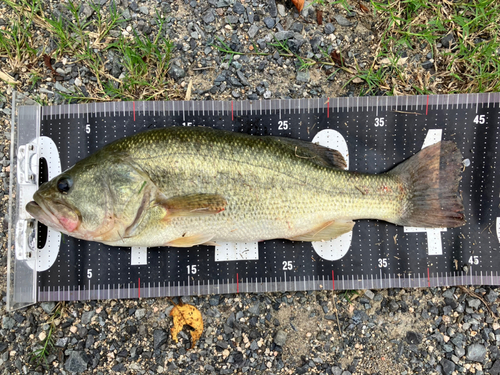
(283, 125)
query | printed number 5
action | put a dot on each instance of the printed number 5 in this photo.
(89, 273)
(87, 128)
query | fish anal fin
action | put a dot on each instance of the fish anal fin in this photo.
(327, 231)
(189, 241)
(192, 205)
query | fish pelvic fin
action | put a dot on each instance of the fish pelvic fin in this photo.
(431, 180)
(327, 231)
(193, 240)
(192, 205)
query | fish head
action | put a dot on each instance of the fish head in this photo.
(94, 201)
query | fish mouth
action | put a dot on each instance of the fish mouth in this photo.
(65, 222)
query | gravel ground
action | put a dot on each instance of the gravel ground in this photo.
(396, 331)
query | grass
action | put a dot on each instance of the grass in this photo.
(89, 41)
(472, 64)
(44, 349)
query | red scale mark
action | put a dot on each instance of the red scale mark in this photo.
(139, 287)
(427, 106)
(428, 278)
(232, 112)
(328, 111)
(133, 106)
(333, 281)
(237, 284)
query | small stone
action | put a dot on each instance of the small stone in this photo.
(78, 82)
(238, 8)
(297, 27)
(87, 316)
(241, 76)
(236, 94)
(254, 309)
(61, 342)
(474, 303)
(140, 313)
(342, 21)
(369, 294)
(476, 353)
(58, 86)
(270, 22)
(76, 362)
(176, 72)
(303, 76)
(159, 338)
(8, 322)
(86, 11)
(495, 369)
(252, 31)
(48, 306)
(209, 16)
(492, 296)
(448, 366)
(413, 338)
(267, 94)
(329, 29)
(133, 5)
(447, 41)
(459, 351)
(283, 35)
(280, 338)
(215, 299)
(42, 336)
(144, 10)
(250, 15)
(273, 11)
(336, 370)
(281, 10)
(427, 64)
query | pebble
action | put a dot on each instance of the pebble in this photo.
(140, 313)
(76, 362)
(238, 8)
(209, 16)
(8, 322)
(303, 76)
(159, 338)
(329, 28)
(48, 306)
(280, 338)
(427, 65)
(341, 20)
(476, 353)
(448, 366)
(176, 72)
(270, 22)
(448, 40)
(252, 31)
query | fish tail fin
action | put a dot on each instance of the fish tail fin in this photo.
(431, 180)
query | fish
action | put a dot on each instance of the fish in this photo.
(188, 186)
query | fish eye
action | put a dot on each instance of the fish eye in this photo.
(64, 185)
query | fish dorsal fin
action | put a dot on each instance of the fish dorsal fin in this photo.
(315, 153)
(192, 204)
(327, 231)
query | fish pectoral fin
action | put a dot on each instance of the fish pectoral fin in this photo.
(188, 241)
(192, 205)
(327, 231)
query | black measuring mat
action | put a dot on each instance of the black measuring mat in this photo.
(379, 132)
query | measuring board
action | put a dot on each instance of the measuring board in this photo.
(373, 134)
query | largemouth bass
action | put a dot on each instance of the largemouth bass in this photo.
(188, 186)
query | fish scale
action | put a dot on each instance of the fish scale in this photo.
(375, 255)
